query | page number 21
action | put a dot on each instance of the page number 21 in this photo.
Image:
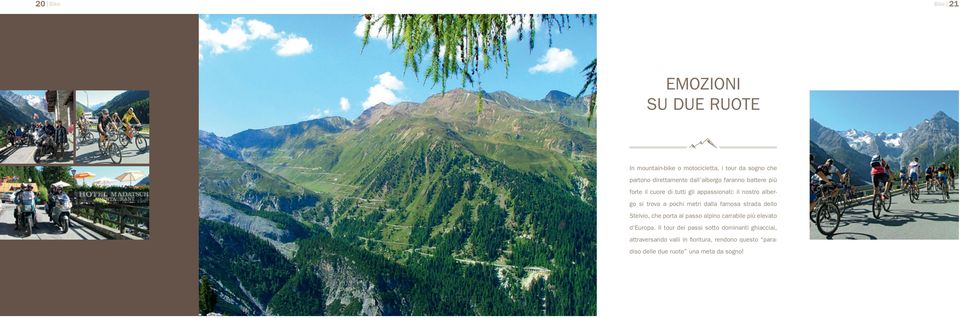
(953, 3)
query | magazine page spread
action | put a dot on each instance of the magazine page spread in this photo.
(468, 158)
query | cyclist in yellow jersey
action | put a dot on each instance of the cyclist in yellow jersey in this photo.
(130, 115)
(942, 174)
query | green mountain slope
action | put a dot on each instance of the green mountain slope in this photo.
(138, 100)
(950, 157)
(437, 195)
(11, 116)
(242, 182)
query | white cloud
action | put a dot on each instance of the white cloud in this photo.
(384, 91)
(240, 34)
(513, 31)
(319, 114)
(235, 38)
(555, 60)
(344, 104)
(292, 46)
(375, 32)
(259, 29)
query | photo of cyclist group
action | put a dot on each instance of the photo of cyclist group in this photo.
(113, 127)
(883, 165)
(38, 127)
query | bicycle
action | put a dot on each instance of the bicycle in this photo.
(110, 147)
(826, 214)
(141, 140)
(945, 188)
(880, 204)
(85, 134)
(914, 193)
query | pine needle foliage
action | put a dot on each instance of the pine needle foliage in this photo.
(445, 46)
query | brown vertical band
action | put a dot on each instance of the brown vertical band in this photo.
(114, 52)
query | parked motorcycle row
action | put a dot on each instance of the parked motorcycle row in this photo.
(57, 208)
(49, 140)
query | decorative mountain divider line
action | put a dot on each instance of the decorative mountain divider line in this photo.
(117, 221)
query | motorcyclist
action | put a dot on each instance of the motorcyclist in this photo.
(27, 200)
(59, 200)
(48, 131)
(60, 134)
(16, 201)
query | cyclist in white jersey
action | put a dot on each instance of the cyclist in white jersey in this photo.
(914, 171)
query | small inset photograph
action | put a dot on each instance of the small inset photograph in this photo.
(883, 165)
(113, 127)
(38, 127)
(74, 203)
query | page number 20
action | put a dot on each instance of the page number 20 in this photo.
(40, 3)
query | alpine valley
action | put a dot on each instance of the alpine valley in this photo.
(445, 207)
(934, 141)
(17, 110)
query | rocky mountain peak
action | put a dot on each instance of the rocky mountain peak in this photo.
(556, 96)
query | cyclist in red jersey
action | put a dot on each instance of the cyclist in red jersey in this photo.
(880, 173)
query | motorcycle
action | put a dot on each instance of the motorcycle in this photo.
(60, 215)
(47, 147)
(25, 219)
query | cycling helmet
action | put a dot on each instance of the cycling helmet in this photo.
(875, 158)
(830, 161)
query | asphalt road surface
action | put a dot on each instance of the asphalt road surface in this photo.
(929, 218)
(44, 230)
(89, 152)
(24, 155)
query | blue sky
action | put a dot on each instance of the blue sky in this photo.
(90, 98)
(37, 93)
(879, 111)
(260, 72)
(42, 94)
(85, 97)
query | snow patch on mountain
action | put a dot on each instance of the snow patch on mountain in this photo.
(35, 101)
(893, 140)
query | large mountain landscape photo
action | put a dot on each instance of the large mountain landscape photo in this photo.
(341, 179)
(428, 208)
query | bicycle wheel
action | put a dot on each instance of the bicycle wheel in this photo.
(877, 206)
(116, 154)
(888, 201)
(142, 143)
(828, 218)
